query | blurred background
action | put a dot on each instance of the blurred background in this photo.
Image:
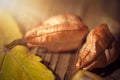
(93, 12)
(29, 13)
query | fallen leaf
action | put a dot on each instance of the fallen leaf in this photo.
(19, 64)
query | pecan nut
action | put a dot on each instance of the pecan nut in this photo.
(100, 49)
(59, 33)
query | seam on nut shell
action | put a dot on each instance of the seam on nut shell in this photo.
(51, 33)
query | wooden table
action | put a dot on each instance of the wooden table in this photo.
(29, 13)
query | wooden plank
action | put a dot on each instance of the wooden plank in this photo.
(47, 58)
(71, 68)
(41, 52)
(54, 61)
(62, 65)
(34, 50)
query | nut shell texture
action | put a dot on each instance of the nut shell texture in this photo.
(59, 33)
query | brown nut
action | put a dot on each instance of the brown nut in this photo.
(100, 49)
(59, 33)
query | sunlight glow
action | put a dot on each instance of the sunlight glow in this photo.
(5, 4)
(27, 12)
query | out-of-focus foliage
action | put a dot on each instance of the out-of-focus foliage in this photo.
(9, 29)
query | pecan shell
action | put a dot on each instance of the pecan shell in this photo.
(59, 33)
(100, 49)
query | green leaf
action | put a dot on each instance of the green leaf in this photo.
(20, 64)
(9, 29)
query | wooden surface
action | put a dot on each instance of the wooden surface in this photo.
(29, 13)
